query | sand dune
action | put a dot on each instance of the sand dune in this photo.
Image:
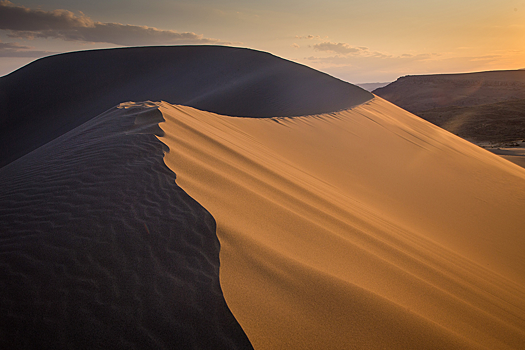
(362, 227)
(51, 96)
(100, 249)
(367, 228)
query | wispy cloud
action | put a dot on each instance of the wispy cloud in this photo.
(13, 46)
(341, 60)
(339, 48)
(309, 37)
(17, 50)
(361, 64)
(375, 66)
(26, 23)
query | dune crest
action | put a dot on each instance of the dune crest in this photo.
(365, 228)
(100, 249)
(38, 100)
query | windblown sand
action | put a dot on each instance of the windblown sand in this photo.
(367, 228)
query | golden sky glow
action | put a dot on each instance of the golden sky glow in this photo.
(357, 41)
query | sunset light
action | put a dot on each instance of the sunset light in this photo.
(357, 41)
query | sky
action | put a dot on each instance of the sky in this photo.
(359, 41)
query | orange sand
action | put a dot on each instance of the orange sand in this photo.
(366, 228)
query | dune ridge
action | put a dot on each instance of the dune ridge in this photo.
(366, 228)
(55, 94)
(100, 249)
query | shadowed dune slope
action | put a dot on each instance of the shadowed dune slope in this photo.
(362, 229)
(100, 249)
(52, 95)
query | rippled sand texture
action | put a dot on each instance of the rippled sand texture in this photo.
(100, 249)
(367, 228)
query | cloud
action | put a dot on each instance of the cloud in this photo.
(377, 60)
(382, 67)
(339, 48)
(26, 23)
(309, 37)
(13, 46)
(18, 50)
(116, 33)
(360, 64)
(21, 18)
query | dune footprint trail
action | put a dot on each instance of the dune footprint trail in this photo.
(365, 228)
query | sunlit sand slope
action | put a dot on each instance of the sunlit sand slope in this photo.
(100, 249)
(367, 228)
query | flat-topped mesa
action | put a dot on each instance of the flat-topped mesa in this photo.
(55, 94)
(417, 93)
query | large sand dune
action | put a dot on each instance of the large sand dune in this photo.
(361, 228)
(100, 249)
(367, 228)
(54, 94)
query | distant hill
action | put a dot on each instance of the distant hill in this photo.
(417, 93)
(492, 122)
(472, 105)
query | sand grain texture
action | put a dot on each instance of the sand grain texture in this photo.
(367, 228)
(100, 249)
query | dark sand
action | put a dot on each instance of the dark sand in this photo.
(100, 249)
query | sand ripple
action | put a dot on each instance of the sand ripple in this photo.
(99, 248)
